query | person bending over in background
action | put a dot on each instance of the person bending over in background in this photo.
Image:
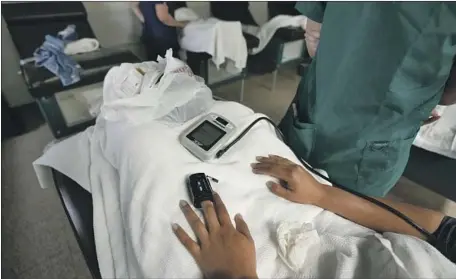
(378, 71)
(159, 27)
(225, 251)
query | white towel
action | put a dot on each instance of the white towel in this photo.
(221, 39)
(81, 46)
(440, 136)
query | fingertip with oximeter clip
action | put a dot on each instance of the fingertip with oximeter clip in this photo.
(200, 189)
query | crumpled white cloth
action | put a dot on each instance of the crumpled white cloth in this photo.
(136, 175)
(147, 91)
(81, 46)
(265, 32)
(440, 137)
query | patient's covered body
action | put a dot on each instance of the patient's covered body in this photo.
(136, 173)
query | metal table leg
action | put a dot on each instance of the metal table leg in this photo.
(241, 94)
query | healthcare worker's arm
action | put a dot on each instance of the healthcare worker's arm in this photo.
(167, 19)
(137, 11)
(303, 188)
(314, 12)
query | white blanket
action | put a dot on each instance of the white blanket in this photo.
(136, 175)
(440, 136)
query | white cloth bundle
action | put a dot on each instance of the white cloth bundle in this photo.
(136, 174)
(81, 46)
(148, 91)
(440, 136)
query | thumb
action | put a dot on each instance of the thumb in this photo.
(241, 226)
(278, 190)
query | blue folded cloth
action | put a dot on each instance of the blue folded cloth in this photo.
(51, 56)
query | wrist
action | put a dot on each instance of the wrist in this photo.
(322, 194)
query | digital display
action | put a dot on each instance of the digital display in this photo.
(206, 135)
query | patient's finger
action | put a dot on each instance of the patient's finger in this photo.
(191, 246)
(222, 212)
(210, 215)
(241, 226)
(194, 221)
(280, 191)
(274, 170)
(270, 159)
(282, 160)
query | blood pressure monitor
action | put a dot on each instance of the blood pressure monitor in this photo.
(207, 136)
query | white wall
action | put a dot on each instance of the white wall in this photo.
(13, 86)
(113, 23)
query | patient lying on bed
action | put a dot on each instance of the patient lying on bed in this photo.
(135, 168)
(225, 251)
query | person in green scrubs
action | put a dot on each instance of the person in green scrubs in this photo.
(379, 70)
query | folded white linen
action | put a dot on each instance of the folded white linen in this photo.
(221, 39)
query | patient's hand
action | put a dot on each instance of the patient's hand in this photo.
(301, 186)
(223, 251)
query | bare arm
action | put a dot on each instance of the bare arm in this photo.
(137, 11)
(312, 36)
(303, 188)
(369, 215)
(167, 19)
(449, 93)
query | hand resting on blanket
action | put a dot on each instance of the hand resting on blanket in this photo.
(222, 251)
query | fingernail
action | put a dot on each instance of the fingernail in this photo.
(253, 165)
(239, 216)
(270, 184)
(259, 157)
(175, 226)
(182, 203)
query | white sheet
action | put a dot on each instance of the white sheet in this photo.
(223, 40)
(440, 136)
(136, 176)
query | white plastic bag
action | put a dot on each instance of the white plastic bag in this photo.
(167, 90)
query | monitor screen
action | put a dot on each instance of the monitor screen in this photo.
(206, 134)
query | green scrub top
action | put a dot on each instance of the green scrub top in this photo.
(379, 70)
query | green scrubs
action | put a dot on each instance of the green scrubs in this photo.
(379, 70)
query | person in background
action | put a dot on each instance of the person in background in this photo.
(378, 71)
(224, 251)
(159, 27)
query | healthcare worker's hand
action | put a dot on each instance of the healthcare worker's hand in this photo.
(222, 251)
(312, 36)
(434, 117)
(301, 186)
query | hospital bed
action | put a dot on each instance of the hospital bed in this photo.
(28, 23)
(201, 64)
(287, 45)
